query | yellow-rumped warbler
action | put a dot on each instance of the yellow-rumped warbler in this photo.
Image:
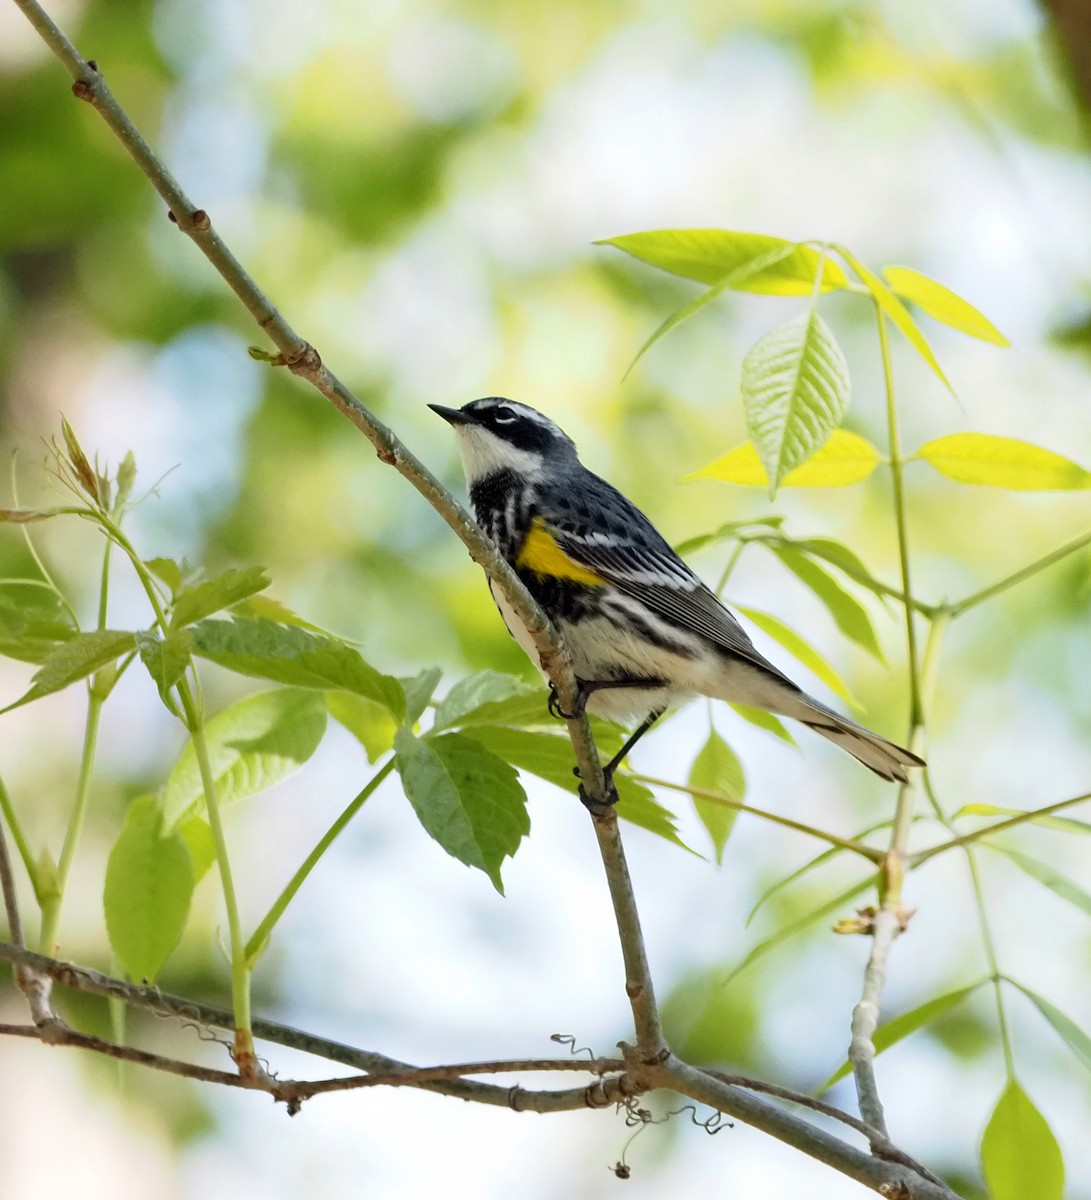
(644, 632)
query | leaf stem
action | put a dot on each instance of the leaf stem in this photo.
(52, 900)
(1016, 577)
(256, 945)
(7, 810)
(240, 971)
(869, 852)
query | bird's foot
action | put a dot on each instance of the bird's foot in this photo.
(557, 710)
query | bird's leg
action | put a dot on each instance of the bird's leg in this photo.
(587, 688)
(609, 769)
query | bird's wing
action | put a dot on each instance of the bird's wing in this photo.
(605, 533)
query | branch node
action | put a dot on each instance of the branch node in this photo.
(387, 455)
(82, 91)
(897, 1190)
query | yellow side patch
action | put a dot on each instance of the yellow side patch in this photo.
(542, 555)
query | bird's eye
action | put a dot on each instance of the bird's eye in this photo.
(503, 415)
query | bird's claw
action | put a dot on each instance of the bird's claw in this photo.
(594, 806)
(556, 710)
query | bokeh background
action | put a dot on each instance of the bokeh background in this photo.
(418, 185)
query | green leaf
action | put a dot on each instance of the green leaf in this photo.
(707, 255)
(1020, 1157)
(727, 531)
(25, 516)
(1045, 821)
(717, 769)
(170, 572)
(485, 690)
(369, 723)
(33, 621)
(149, 883)
(942, 304)
(251, 746)
(639, 807)
(845, 458)
(1048, 877)
(795, 389)
(267, 609)
(75, 659)
(837, 554)
(1078, 1041)
(200, 600)
(286, 654)
(988, 461)
(818, 861)
(126, 478)
(197, 835)
(526, 709)
(166, 660)
(793, 927)
(418, 691)
(902, 1026)
(550, 757)
(896, 311)
(764, 720)
(800, 649)
(467, 799)
(848, 613)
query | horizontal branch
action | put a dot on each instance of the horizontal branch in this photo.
(601, 1094)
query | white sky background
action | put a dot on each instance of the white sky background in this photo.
(421, 959)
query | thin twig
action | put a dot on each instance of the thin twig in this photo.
(7, 886)
(966, 839)
(871, 853)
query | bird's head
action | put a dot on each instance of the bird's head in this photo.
(495, 435)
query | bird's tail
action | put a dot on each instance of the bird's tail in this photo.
(885, 758)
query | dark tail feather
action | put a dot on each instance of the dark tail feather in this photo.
(884, 757)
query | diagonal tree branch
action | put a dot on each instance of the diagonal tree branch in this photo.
(300, 357)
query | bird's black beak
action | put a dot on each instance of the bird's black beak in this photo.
(453, 416)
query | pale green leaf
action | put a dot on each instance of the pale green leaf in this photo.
(1020, 1157)
(467, 799)
(845, 458)
(896, 311)
(848, 613)
(942, 304)
(717, 769)
(169, 571)
(267, 609)
(369, 723)
(909, 1022)
(1078, 1041)
(707, 255)
(727, 531)
(800, 649)
(126, 478)
(252, 745)
(986, 460)
(197, 835)
(795, 389)
(75, 659)
(33, 621)
(286, 654)
(198, 600)
(149, 883)
(1048, 876)
(463, 703)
